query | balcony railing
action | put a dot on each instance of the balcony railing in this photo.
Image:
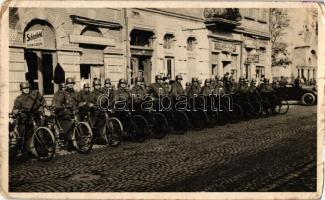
(225, 17)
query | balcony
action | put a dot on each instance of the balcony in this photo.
(227, 18)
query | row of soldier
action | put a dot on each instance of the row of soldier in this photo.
(67, 94)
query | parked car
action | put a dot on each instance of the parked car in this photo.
(305, 93)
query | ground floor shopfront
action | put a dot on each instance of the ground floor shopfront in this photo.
(47, 46)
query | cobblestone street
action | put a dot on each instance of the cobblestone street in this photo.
(271, 154)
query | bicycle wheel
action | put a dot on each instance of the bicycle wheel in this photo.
(266, 109)
(222, 115)
(282, 107)
(13, 141)
(181, 122)
(198, 119)
(257, 108)
(112, 132)
(236, 113)
(159, 126)
(82, 137)
(43, 144)
(140, 128)
(249, 110)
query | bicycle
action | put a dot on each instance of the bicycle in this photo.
(35, 139)
(111, 130)
(79, 136)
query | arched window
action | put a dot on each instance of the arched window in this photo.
(40, 55)
(169, 39)
(191, 43)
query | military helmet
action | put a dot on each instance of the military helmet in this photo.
(253, 81)
(266, 80)
(107, 80)
(96, 82)
(69, 80)
(122, 80)
(208, 80)
(179, 77)
(187, 84)
(86, 85)
(24, 85)
(195, 79)
(62, 86)
(139, 79)
(241, 78)
(158, 77)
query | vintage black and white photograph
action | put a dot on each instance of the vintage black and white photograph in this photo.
(144, 99)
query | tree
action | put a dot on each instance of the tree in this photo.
(279, 22)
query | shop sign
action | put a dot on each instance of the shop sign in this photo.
(250, 43)
(224, 46)
(252, 58)
(34, 38)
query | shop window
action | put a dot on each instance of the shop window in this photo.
(169, 66)
(141, 38)
(191, 43)
(40, 55)
(169, 41)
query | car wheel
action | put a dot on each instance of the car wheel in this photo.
(308, 99)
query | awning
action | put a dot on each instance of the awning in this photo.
(94, 22)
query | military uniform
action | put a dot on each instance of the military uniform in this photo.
(266, 88)
(138, 92)
(206, 90)
(177, 89)
(157, 89)
(194, 90)
(26, 101)
(85, 96)
(219, 89)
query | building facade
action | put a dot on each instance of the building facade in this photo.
(48, 44)
(301, 39)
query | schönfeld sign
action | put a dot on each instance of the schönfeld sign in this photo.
(34, 39)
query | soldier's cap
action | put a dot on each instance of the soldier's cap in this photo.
(107, 80)
(187, 83)
(122, 80)
(96, 82)
(158, 77)
(195, 79)
(86, 85)
(179, 77)
(69, 80)
(208, 80)
(139, 79)
(24, 85)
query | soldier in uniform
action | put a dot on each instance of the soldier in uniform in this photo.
(195, 87)
(108, 88)
(252, 87)
(266, 87)
(122, 93)
(64, 101)
(167, 84)
(138, 91)
(218, 88)
(85, 94)
(30, 101)
(242, 87)
(207, 90)
(158, 88)
(177, 88)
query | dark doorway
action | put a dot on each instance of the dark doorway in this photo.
(84, 71)
(47, 71)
